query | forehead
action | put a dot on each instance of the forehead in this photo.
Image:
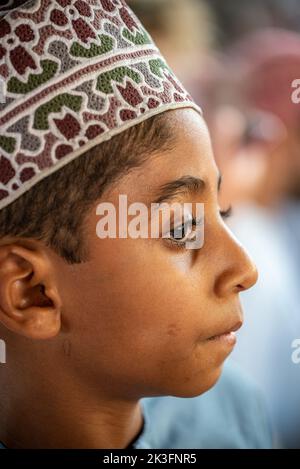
(190, 155)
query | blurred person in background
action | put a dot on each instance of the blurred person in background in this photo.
(256, 134)
(186, 43)
(238, 18)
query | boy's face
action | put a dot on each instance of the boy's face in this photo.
(141, 316)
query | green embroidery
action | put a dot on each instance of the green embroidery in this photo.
(118, 74)
(107, 44)
(55, 105)
(7, 143)
(156, 65)
(138, 38)
(49, 67)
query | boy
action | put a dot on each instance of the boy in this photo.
(93, 325)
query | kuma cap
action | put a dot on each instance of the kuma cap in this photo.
(73, 73)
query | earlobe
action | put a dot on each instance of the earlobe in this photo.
(30, 304)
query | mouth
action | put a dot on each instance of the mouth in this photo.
(227, 335)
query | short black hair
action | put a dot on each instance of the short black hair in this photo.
(54, 209)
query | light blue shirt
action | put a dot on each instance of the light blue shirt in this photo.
(231, 415)
(272, 313)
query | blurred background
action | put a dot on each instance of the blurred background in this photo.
(239, 60)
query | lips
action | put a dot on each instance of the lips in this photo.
(231, 329)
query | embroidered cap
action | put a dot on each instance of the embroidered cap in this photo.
(73, 73)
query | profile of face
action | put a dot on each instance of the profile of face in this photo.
(147, 317)
(144, 314)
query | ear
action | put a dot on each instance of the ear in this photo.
(30, 304)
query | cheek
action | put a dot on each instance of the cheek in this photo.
(146, 300)
(144, 329)
(150, 309)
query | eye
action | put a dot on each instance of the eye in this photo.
(183, 233)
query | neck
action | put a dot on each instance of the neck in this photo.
(45, 413)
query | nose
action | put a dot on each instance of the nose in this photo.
(238, 272)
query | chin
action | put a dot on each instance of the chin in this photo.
(204, 383)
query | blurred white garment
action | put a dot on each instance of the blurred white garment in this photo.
(272, 312)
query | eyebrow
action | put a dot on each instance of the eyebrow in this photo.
(186, 185)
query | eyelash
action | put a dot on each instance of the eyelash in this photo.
(225, 214)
